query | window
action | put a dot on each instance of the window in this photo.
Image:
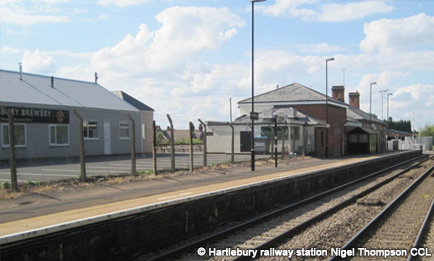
(90, 130)
(282, 132)
(295, 133)
(143, 131)
(124, 130)
(59, 135)
(20, 135)
(353, 138)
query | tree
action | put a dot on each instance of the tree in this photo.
(400, 125)
(427, 131)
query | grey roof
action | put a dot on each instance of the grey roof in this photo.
(37, 89)
(291, 93)
(133, 101)
(359, 115)
(289, 113)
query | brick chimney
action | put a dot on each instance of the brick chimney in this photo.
(354, 99)
(338, 93)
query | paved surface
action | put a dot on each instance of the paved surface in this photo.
(84, 207)
(58, 169)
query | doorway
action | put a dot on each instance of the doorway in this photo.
(245, 141)
(107, 138)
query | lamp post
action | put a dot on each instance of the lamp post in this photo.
(370, 105)
(388, 105)
(327, 112)
(382, 92)
(252, 114)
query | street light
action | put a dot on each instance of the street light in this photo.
(252, 114)
(327, 112)
(370, 105)
(382, 92)
(388, 105)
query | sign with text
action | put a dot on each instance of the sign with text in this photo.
(35, 115)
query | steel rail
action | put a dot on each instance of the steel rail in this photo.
(272, 242)
(419, 238)
(386, 211)
(264, 217)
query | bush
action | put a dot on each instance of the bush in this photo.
(6, 185)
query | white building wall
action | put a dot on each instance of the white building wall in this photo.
(38, 139)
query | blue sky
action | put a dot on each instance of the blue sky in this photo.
(186, 58)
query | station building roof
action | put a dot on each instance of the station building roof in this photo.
(292, 94)
(44, 90)
(133, 101)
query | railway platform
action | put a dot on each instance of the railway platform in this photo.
(59, 212)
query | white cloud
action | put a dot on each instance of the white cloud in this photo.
(397, 35)
(122, 3)
(307, 10)
(352, 11)
(8, 49)
(24, 17)
(185, 34)
(287, 7)
(38, 62)
(319, 48)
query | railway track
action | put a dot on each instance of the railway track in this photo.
(398, 230)
(267, 232)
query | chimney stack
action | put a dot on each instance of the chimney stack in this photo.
(96, 77)
(338, 93)
(21, 71)
(354, 99)
(52, 82)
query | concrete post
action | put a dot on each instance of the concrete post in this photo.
(205, 163)
(232, 142)
(133, 145)
(82, 154)
(154, 148)
(191, 147)
(172, 145)
(12, 158)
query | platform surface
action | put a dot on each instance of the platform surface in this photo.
(60, 213)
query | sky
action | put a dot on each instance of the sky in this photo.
(192, 58)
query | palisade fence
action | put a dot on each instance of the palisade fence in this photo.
(409, 143)
(171, 148)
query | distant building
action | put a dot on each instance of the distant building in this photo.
(47, 127)
(147, 118)
(310, 106)
(309, 123)
(371, 132)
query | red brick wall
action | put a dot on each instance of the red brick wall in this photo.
(337, 118)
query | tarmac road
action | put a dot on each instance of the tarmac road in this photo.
(67, 168)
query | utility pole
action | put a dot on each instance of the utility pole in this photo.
(382, 92)
(389, 94)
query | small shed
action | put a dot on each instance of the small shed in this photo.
(362, 141)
